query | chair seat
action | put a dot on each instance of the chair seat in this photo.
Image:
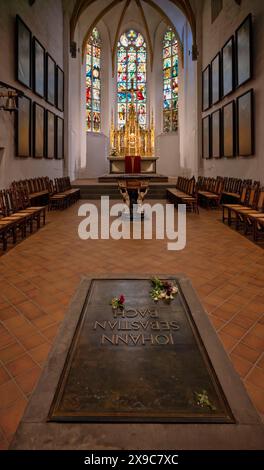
(243, 209)
(40, 193)
(58, 196)
(33, 209)
(3, 223)
(15, 217)
(256, 215)
(236, 195)
(208, 194)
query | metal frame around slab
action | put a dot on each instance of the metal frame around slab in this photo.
(34, 432)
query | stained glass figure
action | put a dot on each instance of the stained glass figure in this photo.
(93, 82)
(170, 58)
(131, 73)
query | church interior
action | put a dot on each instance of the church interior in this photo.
(143, 101)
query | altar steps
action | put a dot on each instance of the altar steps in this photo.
(94, 190)
(153, 178)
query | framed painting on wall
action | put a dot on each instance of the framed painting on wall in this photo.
(38, 68)
(60, 89)
(245, 124)
(244, 65)
(59, 138)
(216, 134)
(50, 80)
(23, 127)
(206, 88)
(206, 137)
(24, 52)
(228, 126)
(38, 131)
(50, 135)
(216, 78)
(228, 67)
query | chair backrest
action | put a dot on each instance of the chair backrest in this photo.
(2, 204)
(192, 186)
(252, 196)
(244, 194)
(260, 202)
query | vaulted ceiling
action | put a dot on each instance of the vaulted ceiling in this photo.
(117, 13)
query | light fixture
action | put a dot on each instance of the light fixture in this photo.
(8, 97)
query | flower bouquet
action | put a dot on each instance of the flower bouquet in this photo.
(162, 290)
(118, 302)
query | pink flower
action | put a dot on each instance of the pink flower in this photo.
(122, 299)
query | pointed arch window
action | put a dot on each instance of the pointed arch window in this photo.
(170, 81)
(93, 82)
(132, 74)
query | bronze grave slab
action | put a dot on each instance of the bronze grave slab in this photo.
(165, 415)
(144, 364)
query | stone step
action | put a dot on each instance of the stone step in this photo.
(156, 191)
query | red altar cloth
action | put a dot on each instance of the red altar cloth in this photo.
(132, 164)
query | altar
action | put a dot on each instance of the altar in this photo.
(117, 165)
(132, 146)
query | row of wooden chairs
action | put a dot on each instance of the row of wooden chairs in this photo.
(248, 214)
(185, 193)
(64, 195)
(210, 191)
(17, 217)
(214, 191)
(38, 189)
(43, 191)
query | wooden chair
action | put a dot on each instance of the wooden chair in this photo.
(185, 193)
(8, 228)
(230, 207)
(211, 196)
(64, 195)
(246, 217)
(258, 228)
(240, 211)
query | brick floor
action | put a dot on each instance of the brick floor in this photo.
(39, 276)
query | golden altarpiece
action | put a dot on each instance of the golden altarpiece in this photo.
(132, 140)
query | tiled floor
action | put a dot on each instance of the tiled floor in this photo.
(39, 276)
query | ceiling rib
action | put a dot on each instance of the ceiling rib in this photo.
(183, 5)
(118, 33)
(147, 31)
(167, 20)
(79, 7)
(93, 25)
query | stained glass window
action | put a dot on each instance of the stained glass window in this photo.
(170, 82)
(132, 75)
(93, 83)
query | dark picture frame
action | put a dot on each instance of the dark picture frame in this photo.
(59, 88)
(228, 130)
(50, 135)
(23, 127)
(245, 124)
(206, 88)
(59, 138)
(228, 67)
(38, 131)
(39, 66)
(23, 53)
(50, 80)
(216, 128)
(206, 137)
(244, 52)
(216, 79)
